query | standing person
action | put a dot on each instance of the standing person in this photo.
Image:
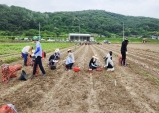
(72, 58)
(93, 62)
(25, 51)
(38, 56)
(123, 51)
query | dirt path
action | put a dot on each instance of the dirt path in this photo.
(61, 91)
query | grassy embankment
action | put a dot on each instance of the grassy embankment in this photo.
(131, 40)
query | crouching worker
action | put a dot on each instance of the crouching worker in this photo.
(68, 62)
(109, 64)
(108, 55)
(72, 57)
(53, 59)
(93, 62)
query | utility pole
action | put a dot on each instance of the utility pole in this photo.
(79, 31)
(123, 31)
(39, 28)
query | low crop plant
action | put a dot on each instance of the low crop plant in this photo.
(151, 77)
(10, 59)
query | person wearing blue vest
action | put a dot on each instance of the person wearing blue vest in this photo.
(38, 56)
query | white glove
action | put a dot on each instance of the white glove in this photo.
(55, 60)
(32, 55)
(126, 52)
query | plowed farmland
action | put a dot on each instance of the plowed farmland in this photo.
(61, 91)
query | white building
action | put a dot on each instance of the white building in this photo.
(154, 37)
(79, 37)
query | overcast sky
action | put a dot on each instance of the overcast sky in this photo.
(146, 8)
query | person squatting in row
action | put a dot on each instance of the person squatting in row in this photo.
(93, 62)
(69, 60)
(109, 62)
(54, 58)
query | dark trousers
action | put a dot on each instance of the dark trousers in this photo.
(68, 66)
(52, 63)
(109, 66)
(123, 53)
(25, 58)
(92, 67)
(38, 61)
(71, 64)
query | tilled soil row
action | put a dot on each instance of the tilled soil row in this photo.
(25, 93)
(149, 66)
(128, 77)
(64, 91)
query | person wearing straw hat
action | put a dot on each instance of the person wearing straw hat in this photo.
(54, 57)
(72, 58)
(68, 62)
(93, 62)
(124, 51)
(25, 52)
(38, 56)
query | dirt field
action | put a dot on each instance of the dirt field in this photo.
(61, 91)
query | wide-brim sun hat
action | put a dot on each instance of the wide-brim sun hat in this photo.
(57, 50)
(95, 56)
(69, 50)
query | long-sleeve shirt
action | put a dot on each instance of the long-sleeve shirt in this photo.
(26, 50)
(38, 50)
(72, 58)
(93, 63)
(54, 57)
(109, 61)
(124, 46)
(68, 60)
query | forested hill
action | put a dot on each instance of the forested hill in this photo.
(20, 21)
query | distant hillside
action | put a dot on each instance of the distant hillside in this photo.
(20, 21)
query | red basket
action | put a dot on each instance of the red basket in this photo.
(90, 70)
(6, 109)
(99, 69)
(76, 69)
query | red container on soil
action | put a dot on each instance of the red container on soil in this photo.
(119, 59)
(6, 109)
(43, 54)
(99, 69)
(76, 69)
(90, 70)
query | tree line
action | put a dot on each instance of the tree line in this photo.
(24, 22)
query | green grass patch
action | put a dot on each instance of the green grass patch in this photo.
(10, 59)
(131, 40)
(151, 77)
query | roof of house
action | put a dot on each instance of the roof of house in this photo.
(75, 34)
